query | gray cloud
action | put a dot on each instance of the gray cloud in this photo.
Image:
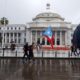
(22, 11)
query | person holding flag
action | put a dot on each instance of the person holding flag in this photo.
(49, 35)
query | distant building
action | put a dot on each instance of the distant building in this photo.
(32, 32)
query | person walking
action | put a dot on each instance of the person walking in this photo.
(25, 49)
(31, 54)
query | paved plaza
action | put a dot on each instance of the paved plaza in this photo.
(40, 69)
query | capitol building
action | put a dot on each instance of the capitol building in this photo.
(32, 31)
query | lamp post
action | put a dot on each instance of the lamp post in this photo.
(3, 32)
(3, 35)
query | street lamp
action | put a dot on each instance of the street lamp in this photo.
(3, 29)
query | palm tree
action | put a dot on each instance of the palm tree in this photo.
(4, 21)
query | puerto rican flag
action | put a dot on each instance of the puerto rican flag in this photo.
(49, 35)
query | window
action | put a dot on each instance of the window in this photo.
(33, 32)
(38, 41)
(7, 40)
(19, 34)
(58, 41)
(53, 33)
(38, 33)
(15, 40)
(11, 28)
(7, 34)
(58, 33)
(0, 34)
(48, 42)
(19, 28)
(19, 40)
(25, 34)
(43, 41)
(24, 40)
(25, 28)
(15, 28)
(11, 40)
(71, 35)
(63, 37)
(47, 14)
(33, 36)
(7, 28)
(11, 34)
(15, 34)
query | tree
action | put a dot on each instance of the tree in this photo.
(4, 21)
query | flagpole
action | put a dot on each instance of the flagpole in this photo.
(3, 33)
(3, 24)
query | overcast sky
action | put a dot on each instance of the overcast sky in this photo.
(22, 11)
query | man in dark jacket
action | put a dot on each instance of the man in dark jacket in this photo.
(25, 49)
(31, 54)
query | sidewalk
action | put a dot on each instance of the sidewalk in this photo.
(47, 69)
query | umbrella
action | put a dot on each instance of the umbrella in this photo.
(76, 37)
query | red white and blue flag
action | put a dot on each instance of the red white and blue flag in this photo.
(49, 35)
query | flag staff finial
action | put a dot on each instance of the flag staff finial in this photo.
(48, 6)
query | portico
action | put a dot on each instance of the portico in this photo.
(61, 29)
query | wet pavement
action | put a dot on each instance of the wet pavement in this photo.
(40, 69)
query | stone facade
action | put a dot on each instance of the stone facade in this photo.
(32, 32)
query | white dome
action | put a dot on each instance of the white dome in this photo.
(53, 15)
(48, 15)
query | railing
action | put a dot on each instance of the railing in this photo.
(18, 52)
(44, 24)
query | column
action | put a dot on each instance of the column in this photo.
(17, 38)
(31, 37)
(28, 36)
(55, 38)
(41, 37)
(45, 41)
(13, 37)
(36, 37)
(65, 37)
(60, 37)
(26, 31)
(5, 38)
(21, 38)
(9, 38)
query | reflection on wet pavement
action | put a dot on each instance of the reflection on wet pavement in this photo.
(40, 69)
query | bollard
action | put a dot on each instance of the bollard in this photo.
(3, 52)
(16, 53)
(42, 53)
(68, 54)
(42, 56)
(55, 54)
